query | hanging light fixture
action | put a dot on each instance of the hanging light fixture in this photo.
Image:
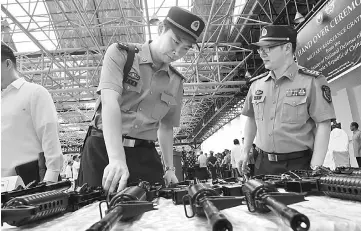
(154, 20)
(298, 17)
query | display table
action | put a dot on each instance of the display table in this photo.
(325, 214)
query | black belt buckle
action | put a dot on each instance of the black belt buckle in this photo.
(272, 157)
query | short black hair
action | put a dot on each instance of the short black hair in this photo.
(7, 53)
(354, 124)
(235, 141)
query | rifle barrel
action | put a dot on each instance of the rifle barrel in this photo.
(218, 221)
(297, 221)
(109, 220)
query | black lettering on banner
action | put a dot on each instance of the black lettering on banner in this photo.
(70, 149)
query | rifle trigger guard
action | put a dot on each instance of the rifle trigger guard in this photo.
(100, 208)
(190, 204)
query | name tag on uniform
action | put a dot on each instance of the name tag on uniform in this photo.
(257, 97)
(131, 82)
(134, 76)
(132, 79)
(296, 92)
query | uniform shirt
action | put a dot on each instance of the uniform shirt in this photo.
(286, 110)
(29, 125)
(356, 140)
(202, 160)
(236, 155)
(146, 97)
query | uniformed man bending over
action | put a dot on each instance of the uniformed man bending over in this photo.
(139, 108)
(288, 108)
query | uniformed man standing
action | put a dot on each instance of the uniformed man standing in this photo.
(139, 108)
(288, 109)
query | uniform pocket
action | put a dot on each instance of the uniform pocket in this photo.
(161, 108)
(130, 94)
(294, 110)
(258, 107)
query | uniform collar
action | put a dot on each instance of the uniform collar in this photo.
(15, 84)
(290, 73)
(18, 83)
(146, 56)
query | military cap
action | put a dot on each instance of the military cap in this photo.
(274, 35)
(184, 23)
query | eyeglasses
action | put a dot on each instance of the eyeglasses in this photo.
(267, 50)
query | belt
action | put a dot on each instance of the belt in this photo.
(129, 142)
(276, 157)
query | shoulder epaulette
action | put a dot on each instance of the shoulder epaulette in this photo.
(259, 77)
(309, 72)
(125, 46)
(176, 71)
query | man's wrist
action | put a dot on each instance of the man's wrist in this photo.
(169, 168)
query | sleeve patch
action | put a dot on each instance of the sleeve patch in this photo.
(326, 92)
(306, 71)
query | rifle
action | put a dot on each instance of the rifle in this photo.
(26, 209)
(263, 197)
(342, 183)
(206, 201)
(34, 187)
(125, 205)
(175, 192)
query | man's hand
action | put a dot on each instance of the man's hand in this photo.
(115, 172)
(170, 178)
(243, 164)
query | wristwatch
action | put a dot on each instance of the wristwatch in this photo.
(169, 168)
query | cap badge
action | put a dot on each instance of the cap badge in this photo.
(264, 32)
(195, 25)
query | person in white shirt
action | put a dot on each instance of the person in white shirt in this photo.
(202, 160)
(29, 122)
(236, 157)
(68, 170)
(75, 167)
(356, 142)
(202, 173)
(337, 152)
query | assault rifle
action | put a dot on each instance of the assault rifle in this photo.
(125, 205)
(206, 201)
(29, 208)
(262, 197)
(34, 187)
(342, 183)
